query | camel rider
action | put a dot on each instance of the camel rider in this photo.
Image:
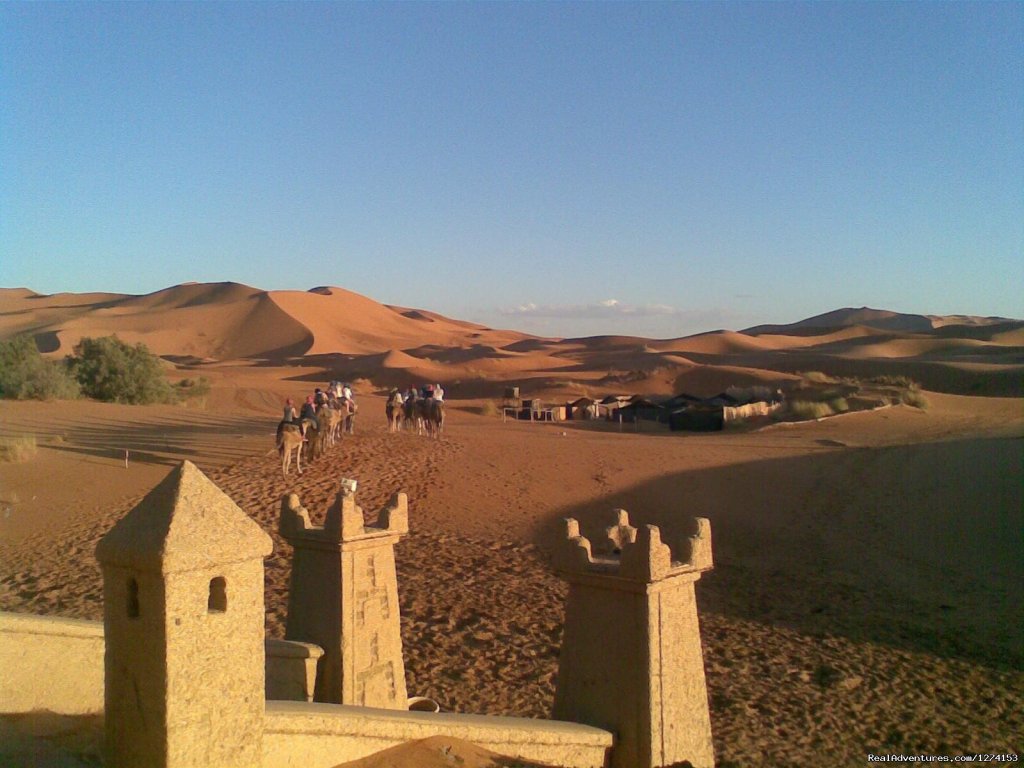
(438, 393)
(346, 393)
(308, 409)
(334, 390)
(319, 397)
(290, 415)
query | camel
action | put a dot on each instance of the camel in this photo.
(314, 447)
(330, 420)
(412, 414)
(394, 410)
(349, 427)
(289, 439)
(432, 414)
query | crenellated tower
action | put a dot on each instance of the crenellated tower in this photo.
(631, 657)
(344, 598)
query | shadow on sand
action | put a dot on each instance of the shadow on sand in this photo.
(916, 547)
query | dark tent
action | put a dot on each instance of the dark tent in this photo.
(697, 419)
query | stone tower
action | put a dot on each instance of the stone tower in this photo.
(344, 598)
(631, 653)
(184, 623)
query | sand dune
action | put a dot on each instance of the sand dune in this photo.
(352, 336)
(395, 358)
(716, 343)
(874, 318)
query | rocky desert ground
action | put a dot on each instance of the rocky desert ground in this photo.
(868, 594)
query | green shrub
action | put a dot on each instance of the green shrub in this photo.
(16, 449)
(27, 375)
(110, 370)
(839, 405)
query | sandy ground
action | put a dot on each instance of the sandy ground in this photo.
(867, 595)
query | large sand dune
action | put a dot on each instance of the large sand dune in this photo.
(357, 337)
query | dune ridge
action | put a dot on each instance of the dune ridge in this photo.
(389, 345)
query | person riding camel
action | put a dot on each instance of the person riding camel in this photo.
(438, 393)
(289, 412)
(289, 417)
(308, 409)
(319, 397)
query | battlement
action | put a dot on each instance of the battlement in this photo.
(637, 554)
(344, 521)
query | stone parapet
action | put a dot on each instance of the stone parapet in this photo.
(344, 522)
(637, 554)
(291, 669)
(50, 663)
(324, 735)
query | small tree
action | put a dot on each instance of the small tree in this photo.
(27, 375)
(110, 370)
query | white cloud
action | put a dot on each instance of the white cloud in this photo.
(609, 316)
(609, 308)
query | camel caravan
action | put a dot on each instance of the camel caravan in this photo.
(420, 411)
(325, 417)
(328, 415)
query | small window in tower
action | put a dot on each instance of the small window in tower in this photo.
(133, 599)
(218, 602)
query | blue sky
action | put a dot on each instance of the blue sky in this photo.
(560, 168)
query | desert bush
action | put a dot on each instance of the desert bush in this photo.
(489, 408)
(110, 370)
(750, 394)
(895, 381)
(839, 405)
(817, 377)
(27, 375)
(18, 448)
(915, 398)
(191, 388)
(803, 410)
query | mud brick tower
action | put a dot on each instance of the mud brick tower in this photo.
(631, 654)
(344, 598)
(183, 618)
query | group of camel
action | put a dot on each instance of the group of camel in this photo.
(425, 415)
(337, 417)
(313, 437)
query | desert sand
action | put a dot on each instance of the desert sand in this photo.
(868, 594)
